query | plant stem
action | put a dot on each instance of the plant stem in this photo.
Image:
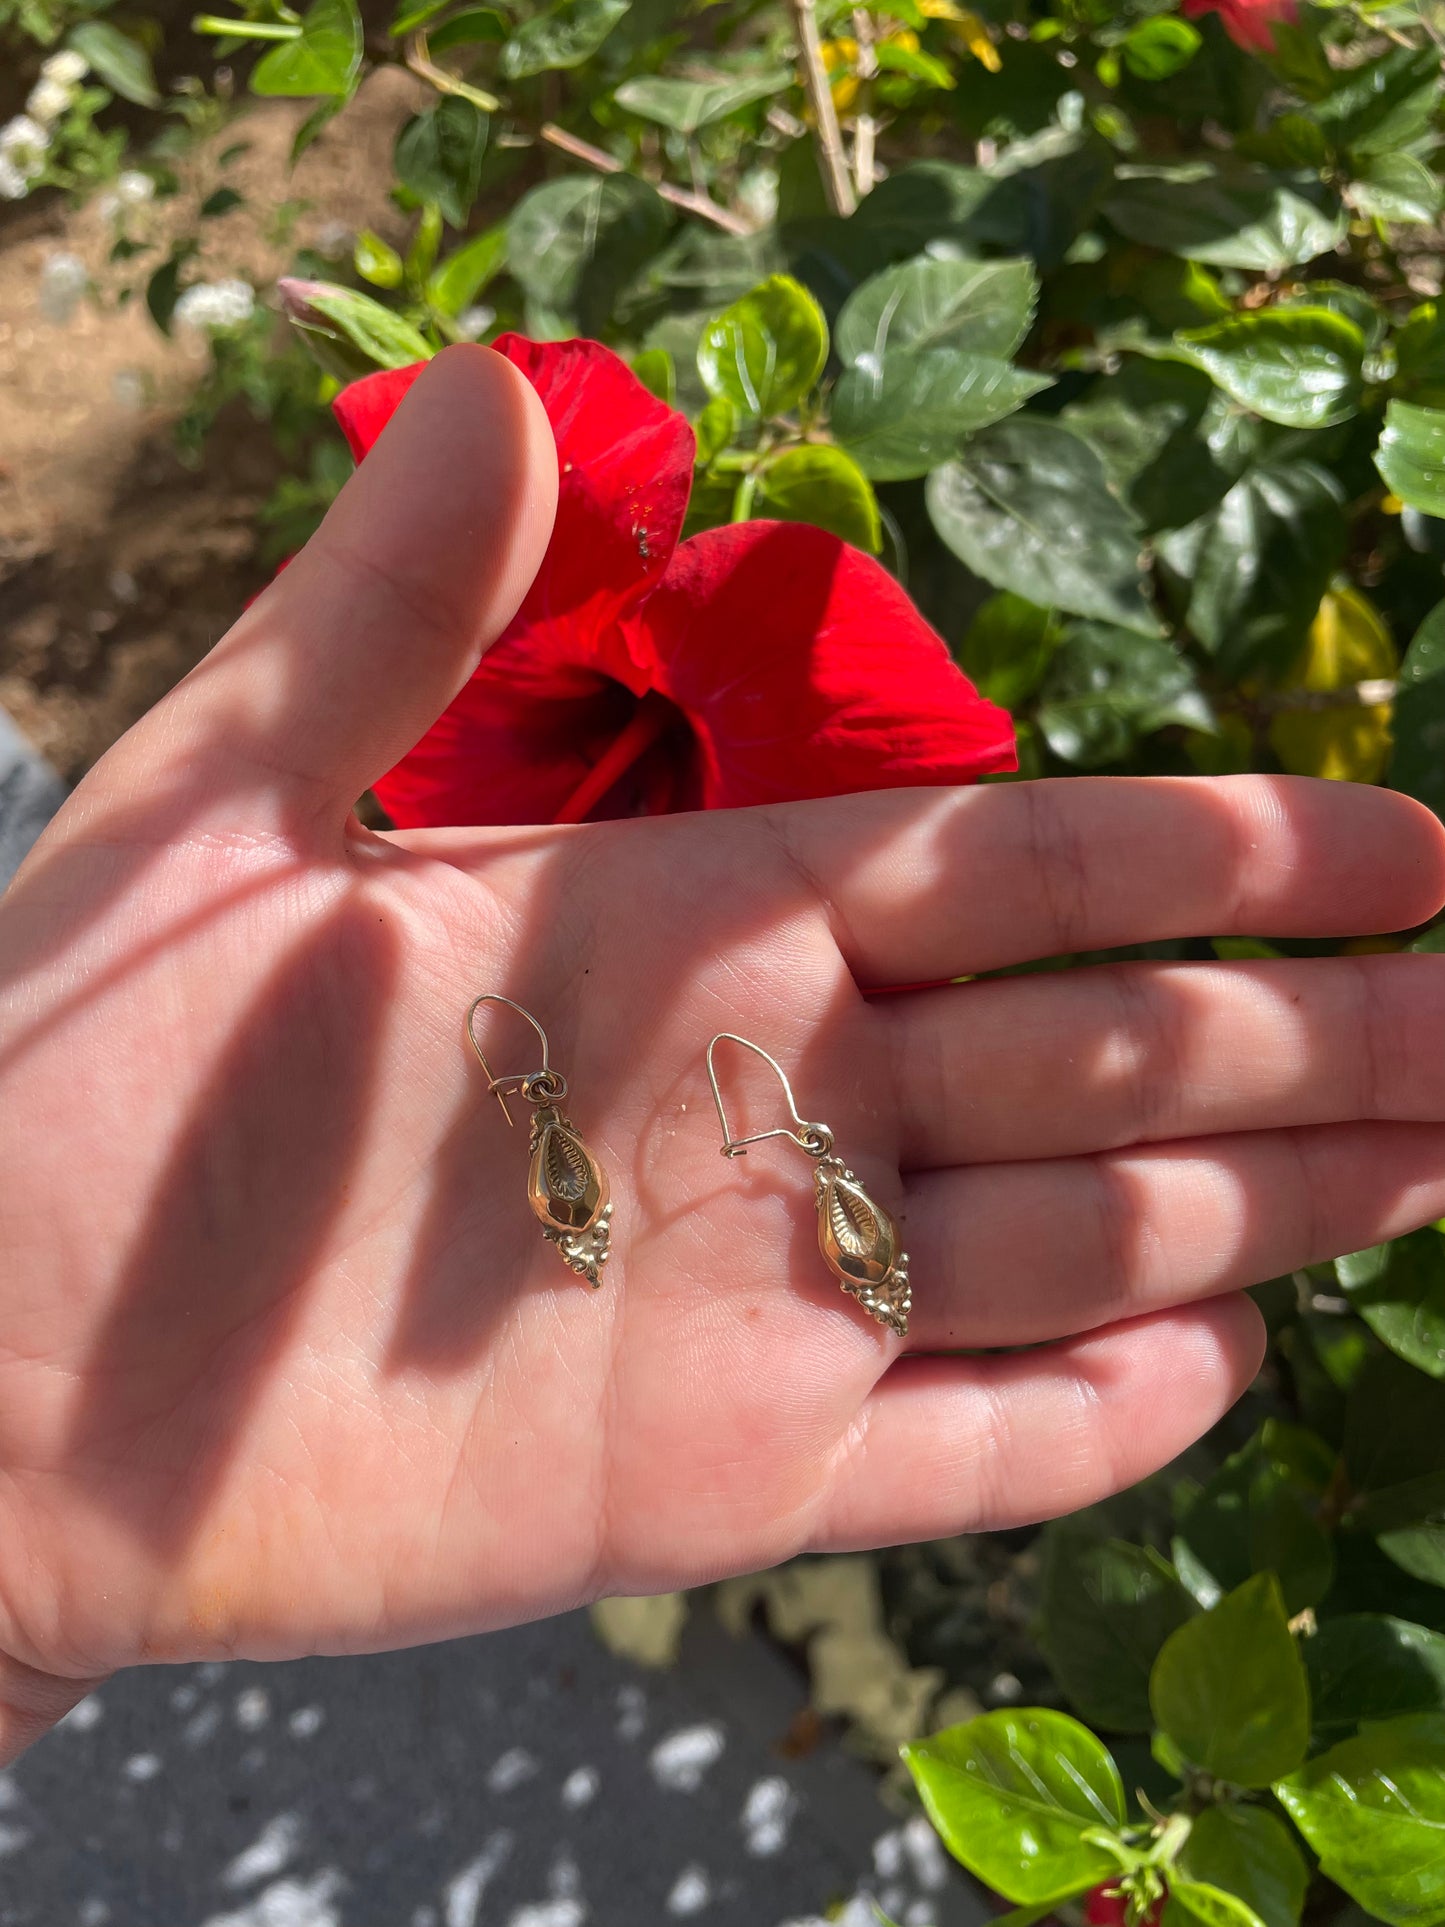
(865, 127)
(836, 178)
(605, 163)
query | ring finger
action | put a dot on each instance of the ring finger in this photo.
(1012, 1254)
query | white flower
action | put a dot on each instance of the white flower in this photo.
(49, 99)
(473, 323)
(134, 189)
(63, 280)
(24, 143)
(211, 305)
(13, 184)
(67, 67)
(333, 239)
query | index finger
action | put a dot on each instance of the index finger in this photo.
(922, 885)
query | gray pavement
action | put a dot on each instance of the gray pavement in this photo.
(524, 1779)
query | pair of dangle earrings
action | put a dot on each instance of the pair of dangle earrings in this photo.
(568, 1191)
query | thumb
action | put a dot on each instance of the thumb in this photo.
(353, 652)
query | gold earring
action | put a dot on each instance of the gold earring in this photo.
(566, 1186)
(857, 1237)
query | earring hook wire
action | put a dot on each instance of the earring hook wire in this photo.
(815, 1139)
(545, 1084)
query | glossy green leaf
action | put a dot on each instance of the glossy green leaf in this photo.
(1411, 455)
(1106, 687)
(687, 105)
(325, 60)
(457, 282)
(118, 59)
(1257, 565)
(1027, 508)
(1149, 424)
(714, 429)
(1394, 1449)
(439, 156)
(1396, 187)
(376, 261)
(654, 368)
(1229, 1688)
(1383, 103)
(1155, 48)
(1193, 1903)
(563, 36)
(914, 411)
(985, 307)
(473, 26)
(766, 351)
(820, 485)
(1006, 651)
(1259, 1512)
(1418, 721)
(1399, 1291)
(1298, 366)
(1373, 1809)
(349, 333)
(1227, 217)
(1015, 1795)
(573, 243)
(1250, 1853)
(1371, 1666)
(1106, 1609)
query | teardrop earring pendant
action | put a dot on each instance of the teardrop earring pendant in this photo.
(566, 1186)
(857, 1237)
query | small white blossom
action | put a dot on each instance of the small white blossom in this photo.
(473, 323)
(67, 67)
(212, 305)
(48, 100)
(63, 280)
(333, 239)
(23, 143)
(13, 184)
(134, 189)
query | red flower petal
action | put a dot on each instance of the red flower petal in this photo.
(806, 671)
(364, 407)
(1249, 23)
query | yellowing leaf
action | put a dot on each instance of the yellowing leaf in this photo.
(646, 1630)
(839, 58)
(1348, 643)
(970, 32)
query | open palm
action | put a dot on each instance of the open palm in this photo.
(285, 1364)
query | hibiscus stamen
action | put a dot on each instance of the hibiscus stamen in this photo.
(650, 720)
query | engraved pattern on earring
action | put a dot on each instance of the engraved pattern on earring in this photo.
(566, 1186)
(857, 1237)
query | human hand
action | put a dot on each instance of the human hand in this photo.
(285, 1365)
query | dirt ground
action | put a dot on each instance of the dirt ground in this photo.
(120, 566)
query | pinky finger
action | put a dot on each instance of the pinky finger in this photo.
(977, 1444)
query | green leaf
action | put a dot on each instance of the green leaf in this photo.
(766, 351)
(1026, 507)
(1106, 687)
(1015, 1796)
(325, 60)
(687, 105)
(823, 486)
(163, 288)
(1159, 46)
(1107, 1607)
(1229, 1688)
(1383, 103)
(117, 59)
(1399, 1291)
(1298, 366)
(564, 36)
(349, 333)
(1259, 1513)
(904, 418)
(1192, 1903)
(467, 270)
(1373, 1809)
(1250, 1853)
(473, 26)
(654, 368)
(1006, 652)
(439, 156)
(1411, 455)
(1255, 567)
(983, 306)
(221, 202)
(1418, 722)
(1396, 187)
(1370, 1666)
(714, 430)
(376, 262)
(574, 244)
(1394, 1450)
(1149, 423)
(1228, 217)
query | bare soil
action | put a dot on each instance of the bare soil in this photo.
(119, 565)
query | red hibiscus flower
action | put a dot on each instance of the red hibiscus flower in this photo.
(751, 664)
(1249, 23)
